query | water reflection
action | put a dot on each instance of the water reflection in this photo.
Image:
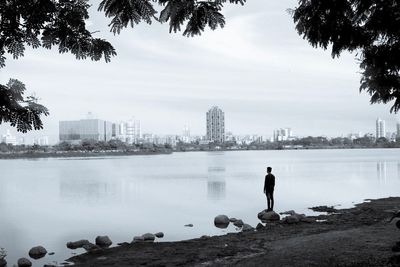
(381, 171)
(398, 170)
(216, 184)
(89, 191)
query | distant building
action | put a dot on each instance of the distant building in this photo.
(398, 130)
(132, 131)
(380, 128)
(216, 125)
(186, 135)
(9, 139)
(88, 129)
(283, 134)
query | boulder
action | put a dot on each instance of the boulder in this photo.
(238, 223)
(24, 262)
(189, 225)
(247, 227)
(37, 252)
(77, 244)
(49, 265)
(103, 241)
(138, 239)
(221, 221)
(148, 237)
(159, 235)
(261, 214)
(3, 263)
(232, 220)
(92, 248)
(292, 219)
(270, 216)
(260, 226)
(289, 212)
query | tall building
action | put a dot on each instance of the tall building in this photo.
(186, 134)
(283, 134)
(398, 129)
(9, 139)
(88, 129)
(380, 128)
(132, 131)
(216, 125)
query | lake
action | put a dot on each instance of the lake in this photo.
(49, 202)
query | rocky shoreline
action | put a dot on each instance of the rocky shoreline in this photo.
(360, 236)
(366, 235)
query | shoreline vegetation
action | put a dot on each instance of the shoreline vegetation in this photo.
(359, 236)
(118, 148)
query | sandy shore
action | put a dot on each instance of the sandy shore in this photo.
(360, 236)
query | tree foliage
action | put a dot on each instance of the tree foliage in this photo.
(62, 24)
(369, 27)
(22, 113)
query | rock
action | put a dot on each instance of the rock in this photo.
(247, 227)
(289, 212)
(149, 237)
(221, 221)
(396, 248)
(92, 248)
(189, 225)
(37, 252)
(238, 223)
(49, 265)
(77, 244)
(291, 219)
(3, 263)
(205, 236)
(24, 262)
(270, 216)
(159, 235)
(261, 214)
(138, 239)
(51, 253)
(103, 241)
(324, 209)
(307, 220)
(123, 244)
(232, 220)
(260, 226)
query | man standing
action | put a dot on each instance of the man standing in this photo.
(269, 186)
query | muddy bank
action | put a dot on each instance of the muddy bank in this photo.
(360, 236)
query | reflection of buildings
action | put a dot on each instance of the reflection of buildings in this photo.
(88, 190)
(381, 171)
(398, 170)
(216, 185)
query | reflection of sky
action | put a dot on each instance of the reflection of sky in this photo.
(50, 202)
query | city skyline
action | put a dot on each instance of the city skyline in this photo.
(261, 73)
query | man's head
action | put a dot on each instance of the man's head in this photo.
(269, 169)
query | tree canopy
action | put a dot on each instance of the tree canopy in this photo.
(369, 27)
(61, 24)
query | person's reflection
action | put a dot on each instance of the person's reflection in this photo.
(216, 183)
(381, 171)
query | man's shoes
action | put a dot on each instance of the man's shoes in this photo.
(269, 209)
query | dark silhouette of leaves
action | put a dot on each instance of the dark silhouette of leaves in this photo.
(370, 27)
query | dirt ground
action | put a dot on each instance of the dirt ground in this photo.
(360, 236)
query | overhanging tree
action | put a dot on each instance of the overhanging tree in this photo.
(61, 24)
(369, 27)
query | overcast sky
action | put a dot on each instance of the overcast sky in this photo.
(257, 69)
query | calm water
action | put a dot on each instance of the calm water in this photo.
(52, 201)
